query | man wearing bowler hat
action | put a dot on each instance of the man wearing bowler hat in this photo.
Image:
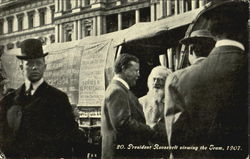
(36, 120)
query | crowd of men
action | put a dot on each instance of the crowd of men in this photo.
(202, 105)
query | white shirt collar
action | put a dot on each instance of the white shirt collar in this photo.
(225, 42)
(35, 85)
(121, 80)
(198, 60)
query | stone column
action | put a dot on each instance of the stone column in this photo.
(152, 12)
(57, 5)
(201, 3)
(119, 21)
(182, 6)
(79, 3)
(36, 18)
(5, 26)
(94, 32)
(176, 6)
(48, 15)
(169, 10)
(57, 33)
(194, 4)
(79, 29)
(61, 5)
(64, 5)
(25, 21)
(83, 4)
(137, 16)
(75, 31)
(99, 25)
(61, 39)
(74, 4)
(15, 23)
(158, 10)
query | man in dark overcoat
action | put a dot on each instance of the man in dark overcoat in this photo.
(123, 121)
(36, 120)
(207, 102)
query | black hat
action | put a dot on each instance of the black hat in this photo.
(228, 17)
(197, 35)
(31, 49)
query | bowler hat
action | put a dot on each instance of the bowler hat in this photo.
(197, 35)
(31, 49)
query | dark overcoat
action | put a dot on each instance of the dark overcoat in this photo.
(206, 104)
(123, 123)
(39, 126)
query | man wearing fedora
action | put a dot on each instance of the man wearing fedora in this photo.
(36, 120)
(199, 45)
(207, 102)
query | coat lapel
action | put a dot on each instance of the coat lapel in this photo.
(19, 95)
(132, 97)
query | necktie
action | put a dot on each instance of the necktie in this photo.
(28, 92)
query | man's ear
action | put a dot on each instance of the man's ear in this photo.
(21, 66)
(123, 68)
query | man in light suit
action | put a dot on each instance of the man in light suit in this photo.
(123, 121)
(36, 120)
(207, 102)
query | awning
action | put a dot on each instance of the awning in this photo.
(156, 34)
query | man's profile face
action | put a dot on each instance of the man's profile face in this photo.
(131, 74)
(33, 69)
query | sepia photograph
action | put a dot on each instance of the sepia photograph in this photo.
(124, 79)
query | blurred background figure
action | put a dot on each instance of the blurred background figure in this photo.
(153, 101)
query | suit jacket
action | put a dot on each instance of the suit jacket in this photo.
(123, 123)
(39, 126)
(206, 104)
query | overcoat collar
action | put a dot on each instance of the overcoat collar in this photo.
(223, 49)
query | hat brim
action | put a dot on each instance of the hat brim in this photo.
(191, 40)
(31, 57)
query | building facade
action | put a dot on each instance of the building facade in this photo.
(22, 19)
(76, 19)
(67, 20)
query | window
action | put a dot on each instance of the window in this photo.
(31, 19)
(128, 19)
(20, 22)
(87, 27)
(10, 24)
(68, 35)
(112, 23)
(68, 27)
(1, 26)
(42, 17)
(88, 30)
(145, 14)
(87, 2)
(68, 5)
